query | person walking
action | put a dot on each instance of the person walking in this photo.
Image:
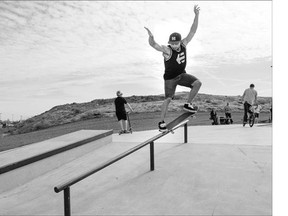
(175, 60)
(121, 111)
(249, 98)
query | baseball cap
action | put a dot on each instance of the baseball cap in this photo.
(174, 37)
(119, 93)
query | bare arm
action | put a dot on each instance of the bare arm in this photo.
(256, 97)
(155, 45)
(130, 107)
(194, 26)
(242, 98)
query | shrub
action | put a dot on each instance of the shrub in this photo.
(41, 125)
(76, 111)
(208, 101)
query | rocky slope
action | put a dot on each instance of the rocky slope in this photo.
(99, 108)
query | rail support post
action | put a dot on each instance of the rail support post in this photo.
(185, 133)
(67, 208)
(151, 156)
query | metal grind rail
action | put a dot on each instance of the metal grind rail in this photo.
(66, 185)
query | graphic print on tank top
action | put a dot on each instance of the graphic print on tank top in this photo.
(175, 64)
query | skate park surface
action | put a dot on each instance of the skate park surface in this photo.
(222, 170)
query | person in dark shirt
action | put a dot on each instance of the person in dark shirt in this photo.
(214, 117)
(121, 111)
(175, 63)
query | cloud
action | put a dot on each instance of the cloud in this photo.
(77, 49)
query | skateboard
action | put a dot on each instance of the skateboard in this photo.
(170, 126)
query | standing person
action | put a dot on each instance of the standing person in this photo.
(121, 111)
(175, 63)
(249, 97)
(214, 117)
(271, 112)
(227, 110)
(256, 109)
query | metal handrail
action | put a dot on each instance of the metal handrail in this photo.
(66, 185)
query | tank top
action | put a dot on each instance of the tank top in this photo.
(175, 64)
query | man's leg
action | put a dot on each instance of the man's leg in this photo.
(170, 88)
(121, 125)
(246, 110)
(124, 121)
(230, 117)
(191, 82)
(164, 108)
(245, 113)
(126, 124)
(194, 90)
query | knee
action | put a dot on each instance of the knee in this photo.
(168, 100)
(197, 84)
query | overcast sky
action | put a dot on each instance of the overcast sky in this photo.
(54, 53)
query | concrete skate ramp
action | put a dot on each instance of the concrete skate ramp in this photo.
(212, 174)
(20, 165)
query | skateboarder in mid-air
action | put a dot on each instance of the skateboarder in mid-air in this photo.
(121, 112)
(175, 64)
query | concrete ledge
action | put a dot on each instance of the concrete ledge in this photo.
(18, 166)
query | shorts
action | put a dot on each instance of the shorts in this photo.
(228, 115)
(183, 79)
(256, 115)
(121, 116)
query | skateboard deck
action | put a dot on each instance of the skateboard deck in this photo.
(178, 120)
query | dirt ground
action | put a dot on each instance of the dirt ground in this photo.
(139, 121)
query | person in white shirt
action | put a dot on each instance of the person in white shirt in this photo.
(249, 98)
(256, 109)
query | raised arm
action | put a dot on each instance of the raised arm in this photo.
(194, 26)
(155, 45)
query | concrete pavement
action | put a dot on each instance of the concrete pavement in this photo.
(222, 170)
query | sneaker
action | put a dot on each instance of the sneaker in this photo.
(162, 126)
(189, 108)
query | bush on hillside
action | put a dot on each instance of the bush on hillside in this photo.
(41, 125)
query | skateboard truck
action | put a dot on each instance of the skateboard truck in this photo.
(179, 125)
(179, 121)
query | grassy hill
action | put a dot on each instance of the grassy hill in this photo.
(99, 108)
